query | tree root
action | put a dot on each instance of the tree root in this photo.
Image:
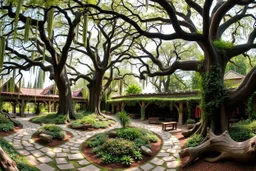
(191, 131)
(9, 117)
(6, 162)
(225, 146)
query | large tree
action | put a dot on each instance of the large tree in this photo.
(40, 34)
(216, 27)
(106, 46)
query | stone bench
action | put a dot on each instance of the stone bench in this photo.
(166, 124)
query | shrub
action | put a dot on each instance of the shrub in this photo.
(107, 158)
(126, 160)
(137, 155)
(129, 133)
(97, 140)
(194, 141)
(240, 133)
(118, 147)
(123, 118)
(53, 130)
(152, 137)
(52, 118)
(6, 127)
(142, 141)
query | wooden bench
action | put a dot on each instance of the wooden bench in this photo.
(153, 120)
(166, 124)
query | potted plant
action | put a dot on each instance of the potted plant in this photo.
(190, 123)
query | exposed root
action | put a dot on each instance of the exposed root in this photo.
(191, 131)
(225, 146)
(6, 162)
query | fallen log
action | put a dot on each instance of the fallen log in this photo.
(225, 148)
(6, 162)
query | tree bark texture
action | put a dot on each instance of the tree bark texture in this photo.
(6, 162)
(95, 88)
(224, 147)
(65, 96)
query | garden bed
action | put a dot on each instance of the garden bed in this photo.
(119, 144)
(54, 142)
(57, 134)
(16, 129)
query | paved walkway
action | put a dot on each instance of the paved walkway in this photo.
(68, 156)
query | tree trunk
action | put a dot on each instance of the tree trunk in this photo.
(6, 162)
(65, 96)
(224, 147)
(95, 88)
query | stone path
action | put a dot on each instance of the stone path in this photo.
(68, 156)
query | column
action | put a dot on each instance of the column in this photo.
(180, 113)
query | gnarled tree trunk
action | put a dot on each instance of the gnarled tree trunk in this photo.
(225, 148)
(6, 162)
(95, 88)
(65, 96)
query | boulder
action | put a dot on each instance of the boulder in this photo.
(46, 137)
(145, 150)
(112, 134)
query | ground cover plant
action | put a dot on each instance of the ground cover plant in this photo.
(122, 145)
(22, 163)
(51, 118)
(6, 125)
(243, 130)
(55, 131)
(94, 120)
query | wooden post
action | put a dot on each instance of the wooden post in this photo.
(49, 106)
(112, 108)
(14, 104)
(180, 113)
(22, 109)
(142, 111)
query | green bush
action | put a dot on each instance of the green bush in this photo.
(126, 160)
(194, 141)
(123, 118)
(22, 163)
(152, 137)
(118, 147)
(97, 140)
(107, 158)
(5, 124)
(142, 141)
(133, 89)
(7, 127)
(53, 130)
(241, 132)
(129, 133)
(52, 118)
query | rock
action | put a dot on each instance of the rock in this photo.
(46, 137)
(112, 134)
(145, 150)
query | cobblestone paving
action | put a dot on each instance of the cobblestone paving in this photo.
(68, 156)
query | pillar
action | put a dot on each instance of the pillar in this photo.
(14, 104)
(22, 108)
(180, 113)
(49, 106)
(142, 111)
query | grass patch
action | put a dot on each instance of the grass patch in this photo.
(51, 118)
(93, 119)
(22, 163)
(194, 141)
(55, 131)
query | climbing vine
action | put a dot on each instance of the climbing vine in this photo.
(250, 107)
(212, 91)
(222, 45)
(189, 109)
